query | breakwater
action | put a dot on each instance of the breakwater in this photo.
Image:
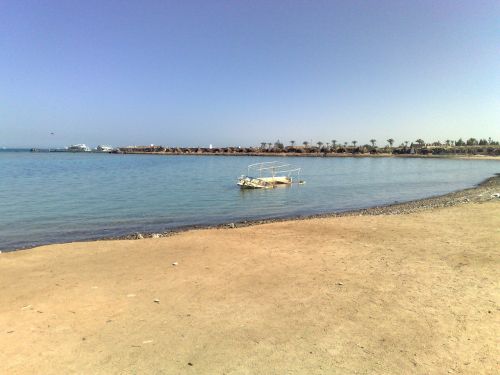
(317, 152)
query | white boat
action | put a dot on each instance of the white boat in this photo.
(79, 148)
(104, 148)
(269, 175)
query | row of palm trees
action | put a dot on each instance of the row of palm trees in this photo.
(389, 147)
(334, 143)
(390, 143)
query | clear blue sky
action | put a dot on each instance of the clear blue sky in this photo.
(241, 72)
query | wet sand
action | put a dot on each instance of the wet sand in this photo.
(386, 294)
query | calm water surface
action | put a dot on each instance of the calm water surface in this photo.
(60, 197)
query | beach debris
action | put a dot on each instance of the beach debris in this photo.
(495, 195)
(155, 235)
(147, 341)
(27, 307)
(138, 236)
(10, 331)
(339, 283)
(190, 364)
(131, 295)
(175, 264)
(231, 225)
(156, 300)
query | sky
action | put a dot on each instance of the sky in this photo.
(194, 73)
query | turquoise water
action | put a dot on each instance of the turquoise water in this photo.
(61, 197)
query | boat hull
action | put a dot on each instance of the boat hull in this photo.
(263, 182)
(271, 174)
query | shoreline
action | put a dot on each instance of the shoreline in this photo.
(370, 294)
(482, 192)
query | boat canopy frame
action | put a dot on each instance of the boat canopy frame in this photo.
(272, 167)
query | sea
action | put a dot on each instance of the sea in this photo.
(63, 197)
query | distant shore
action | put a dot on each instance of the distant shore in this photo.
(327, 155)
(429, 151)
(484, 149)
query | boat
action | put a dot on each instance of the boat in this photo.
(104, 148)
(269, 175)
(79, 148)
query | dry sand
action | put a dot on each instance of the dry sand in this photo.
(401, 294)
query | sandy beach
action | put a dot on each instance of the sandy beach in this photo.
(386, 294)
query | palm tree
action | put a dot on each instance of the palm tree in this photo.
(292, 143)
(305, 143)
(278, 145)
(319, 145)
(269, 145)
(345, 144)
(354, 143)
(327, 145)
(471, 142)
(406, 143)
(334, 143)
(447, 142)
(373, 142)
(420, 141)
(390, 141)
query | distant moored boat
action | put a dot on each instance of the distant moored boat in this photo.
(79, 148)
(104, 148)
